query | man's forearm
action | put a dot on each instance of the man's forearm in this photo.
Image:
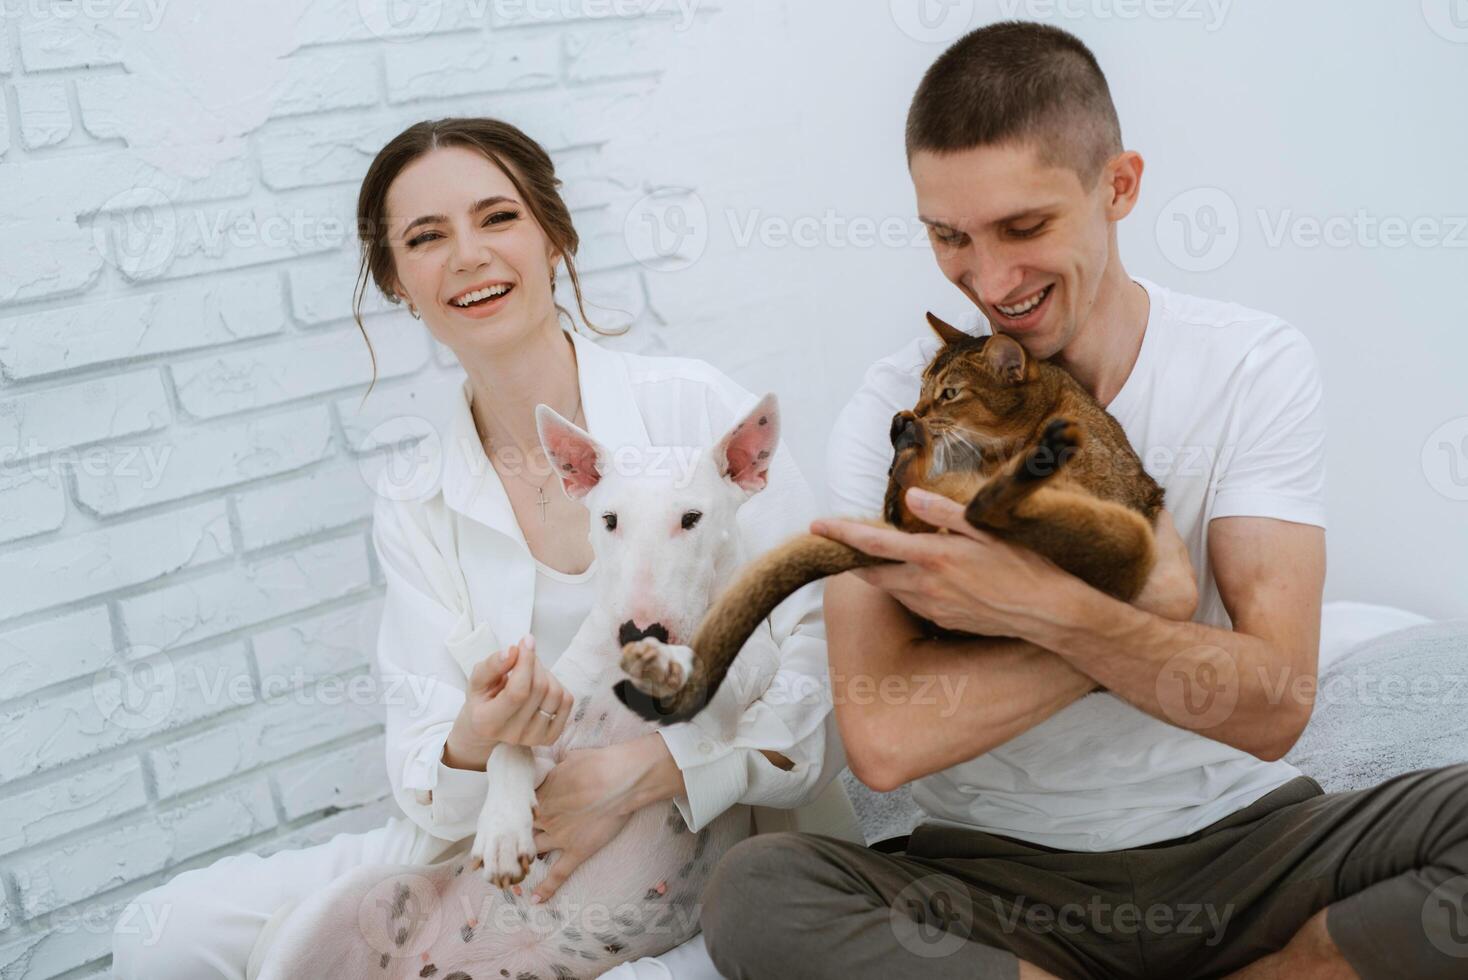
(908, 706)
(980, 693)
(1224, 684)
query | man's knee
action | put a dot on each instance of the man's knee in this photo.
(747, 904)
(1441, 801)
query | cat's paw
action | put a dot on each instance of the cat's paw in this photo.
(1061, 440)
(504, 844)
(1062, 435)
(657, 668)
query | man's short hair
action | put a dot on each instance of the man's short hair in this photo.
(1018, 81)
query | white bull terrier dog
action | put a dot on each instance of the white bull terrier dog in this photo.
(666, 544)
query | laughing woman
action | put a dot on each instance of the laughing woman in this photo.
(462, 221)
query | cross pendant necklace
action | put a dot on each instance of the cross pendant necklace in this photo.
(541, 500)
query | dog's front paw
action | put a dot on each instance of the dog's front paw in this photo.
(504, 845)
(656, 668)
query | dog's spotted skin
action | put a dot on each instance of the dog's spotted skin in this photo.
(601, 917)
(639, 894)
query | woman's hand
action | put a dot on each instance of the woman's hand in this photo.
(1171, 590)
(511, 698)
(586, 800)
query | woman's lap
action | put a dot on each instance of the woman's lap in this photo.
(203, 923)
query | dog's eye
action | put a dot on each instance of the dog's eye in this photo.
(948, 394)
(690, 520)
(610, 520)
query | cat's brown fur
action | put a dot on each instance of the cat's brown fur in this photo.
(1033, 455)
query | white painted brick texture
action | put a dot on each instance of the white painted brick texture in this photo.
(188, 594)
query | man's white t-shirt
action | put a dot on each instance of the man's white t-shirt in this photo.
(1224, 408)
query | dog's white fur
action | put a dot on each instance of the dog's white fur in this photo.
(653, 571)
(392, 921)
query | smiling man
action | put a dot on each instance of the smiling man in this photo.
(1109, 797)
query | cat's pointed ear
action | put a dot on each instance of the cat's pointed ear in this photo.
(577, 459)
(743, 455)
(946, 331)
(1007, 357)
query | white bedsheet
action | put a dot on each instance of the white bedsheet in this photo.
(1343, 625)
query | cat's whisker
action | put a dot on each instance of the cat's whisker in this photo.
(954, 441)
(979, 444)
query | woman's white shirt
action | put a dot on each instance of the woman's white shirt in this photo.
(461, 585)
(561, 603)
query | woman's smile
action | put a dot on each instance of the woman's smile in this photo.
(481, 301)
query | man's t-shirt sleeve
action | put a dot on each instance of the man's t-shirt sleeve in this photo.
(859, 454)
(1276, 466)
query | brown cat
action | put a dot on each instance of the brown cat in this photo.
(1037, 460)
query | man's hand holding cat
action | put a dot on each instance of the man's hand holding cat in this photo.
(969, 580)
(1172, 588)
(975, 582)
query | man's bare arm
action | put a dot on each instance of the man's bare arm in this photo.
(1251, 687)
(991, 688)
(957, 699)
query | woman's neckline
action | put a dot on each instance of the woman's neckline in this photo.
(569, 578)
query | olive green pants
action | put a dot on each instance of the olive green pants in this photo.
(1391, 862)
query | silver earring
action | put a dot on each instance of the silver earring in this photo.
(413, 312)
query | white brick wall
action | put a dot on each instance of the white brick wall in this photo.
(188, 599)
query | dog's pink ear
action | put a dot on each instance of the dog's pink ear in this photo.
(744, 454)
(576, 457)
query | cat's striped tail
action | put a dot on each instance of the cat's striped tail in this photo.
(761, 586)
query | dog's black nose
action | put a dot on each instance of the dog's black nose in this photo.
(630, 632)
(904, 433)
